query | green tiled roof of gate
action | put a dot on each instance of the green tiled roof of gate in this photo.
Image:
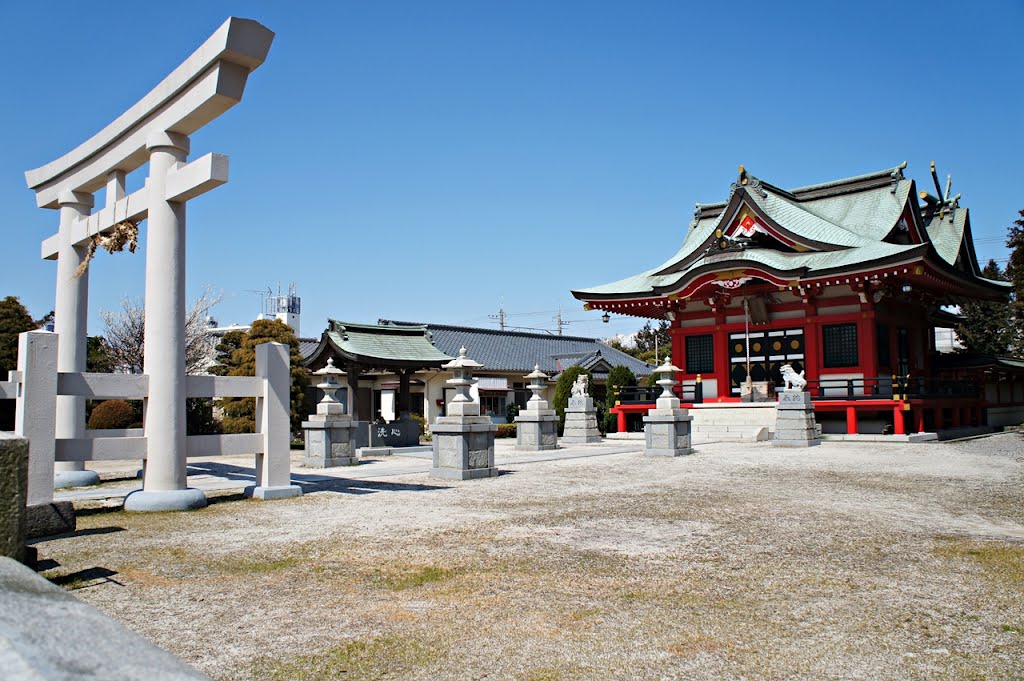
(387, 343)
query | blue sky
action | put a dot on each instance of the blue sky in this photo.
(433, 161)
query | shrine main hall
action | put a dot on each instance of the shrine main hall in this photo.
(845, 281)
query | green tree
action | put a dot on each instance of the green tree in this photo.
(225, 350)
(1015, 275)
(563, 390)
(619, 376)
(14, 320)
(240, 412)
(617, 344)
(988, 327)
(97, 356)
(653, 343)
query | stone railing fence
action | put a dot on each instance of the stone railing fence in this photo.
(35, 386)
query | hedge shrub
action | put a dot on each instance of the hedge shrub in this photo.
(619, 376)
(506, 430)
(112, 414)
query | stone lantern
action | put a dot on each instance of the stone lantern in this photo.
(537, 425)
(667, 427)
(329, 430)
(463, 440)
(462, 380)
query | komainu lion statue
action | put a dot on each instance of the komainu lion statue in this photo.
(579, 387)
(792, 378)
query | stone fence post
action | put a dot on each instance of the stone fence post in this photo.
(273, 421)
(36, 410)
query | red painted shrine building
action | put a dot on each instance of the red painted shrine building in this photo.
(845, 281)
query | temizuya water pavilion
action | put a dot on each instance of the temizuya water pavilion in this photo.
(843, 280)
(365, 351)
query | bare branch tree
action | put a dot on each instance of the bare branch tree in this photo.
(126, 333)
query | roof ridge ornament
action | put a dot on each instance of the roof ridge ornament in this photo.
(726, 243)
(747, 180)
(944, 199)
(897, 175)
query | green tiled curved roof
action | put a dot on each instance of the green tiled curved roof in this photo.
(378, 346)
(947, 233)
(843, 223)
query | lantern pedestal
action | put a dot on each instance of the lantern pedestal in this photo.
(794, 420)
(329, 443)
(463, 448)
(581, 421)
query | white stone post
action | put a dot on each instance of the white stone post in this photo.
(35, 408)
(70, 318)
(165, 479)
(273, 411)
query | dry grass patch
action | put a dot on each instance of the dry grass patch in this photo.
(697, 644)
(369, 658)
(1000, 561)
(401, 579)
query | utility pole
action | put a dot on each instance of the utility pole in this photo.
(500, 317)
(558, 321)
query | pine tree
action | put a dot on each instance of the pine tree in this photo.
(988, 327)
(1015, 275)
(653, 343)
(240, 412)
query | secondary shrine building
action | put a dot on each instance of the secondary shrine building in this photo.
(845, 281)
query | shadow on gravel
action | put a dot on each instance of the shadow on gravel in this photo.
(86, 578)
(308, 483)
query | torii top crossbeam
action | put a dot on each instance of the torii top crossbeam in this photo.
(204, 86)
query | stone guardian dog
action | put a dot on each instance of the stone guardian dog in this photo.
(793, 379)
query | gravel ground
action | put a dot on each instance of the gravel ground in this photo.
(853, 561)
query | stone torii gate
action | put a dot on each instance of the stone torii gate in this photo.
(155, 131)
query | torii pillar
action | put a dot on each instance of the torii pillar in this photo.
(165, 479)
(155, 130)
(70, 317)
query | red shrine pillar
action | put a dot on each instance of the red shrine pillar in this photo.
(675, 332)
(812, 340)
(721, 356)
(867, 346)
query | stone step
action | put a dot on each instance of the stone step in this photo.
(748, 434)
(738, 419)
(715, 427)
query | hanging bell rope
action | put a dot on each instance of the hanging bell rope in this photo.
(124, 233)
